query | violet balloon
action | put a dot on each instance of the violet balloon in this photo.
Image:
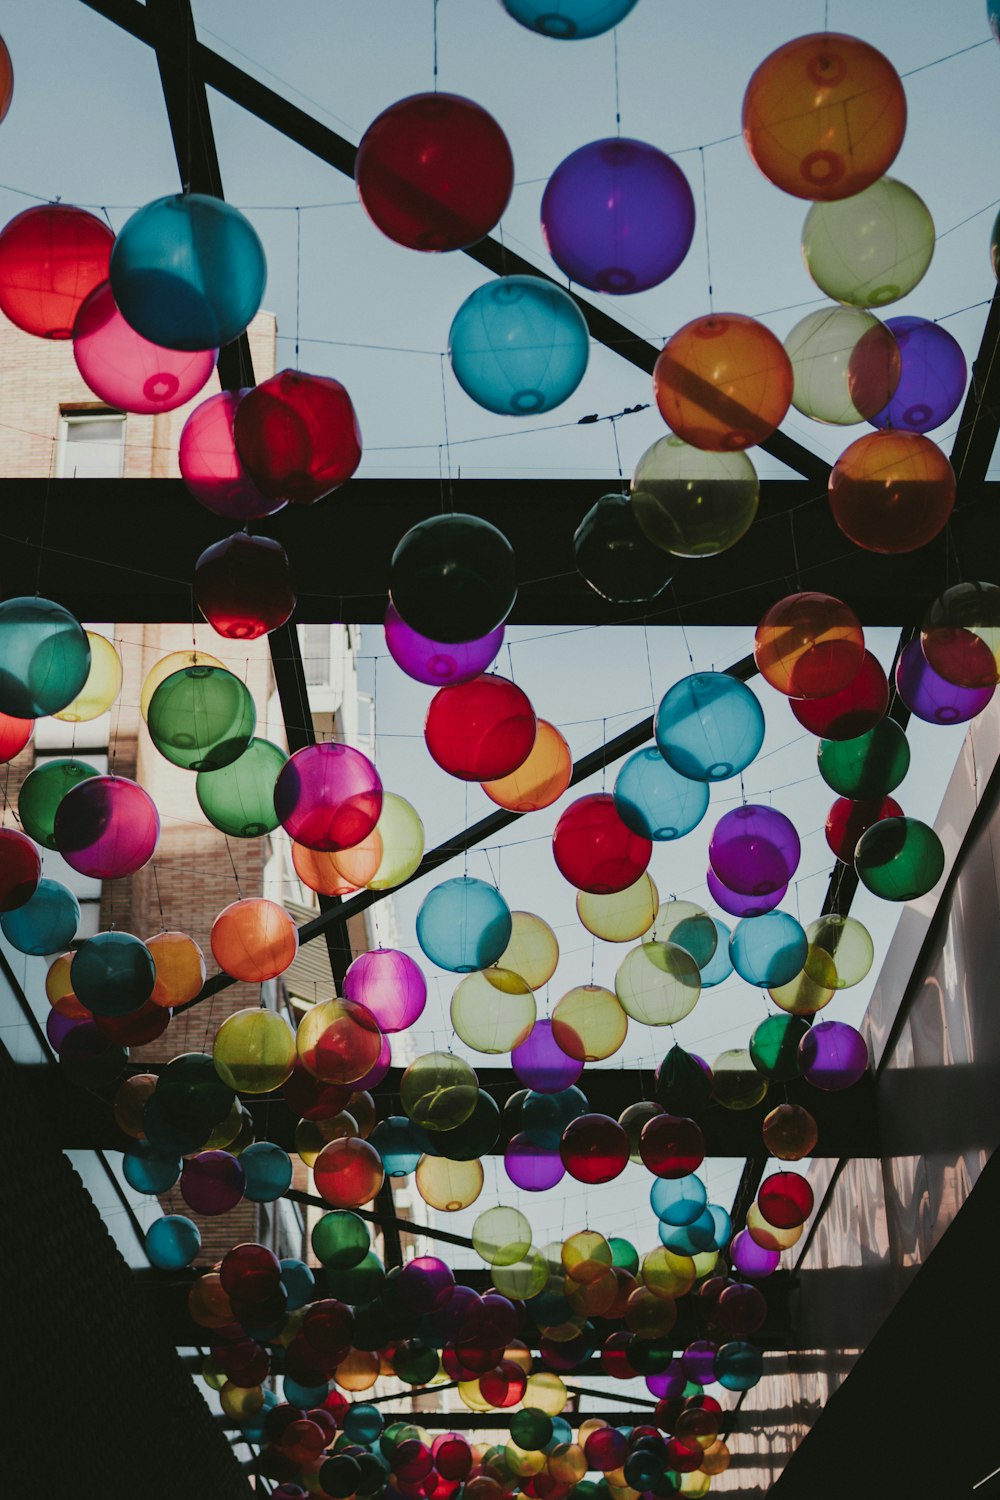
(932, 377)
(211, 467)
(833, 1055)
(541, 1064)
(421, 1282)
(438, 663)
(212, 1182)
(738, 905)
(328, 796)
(126, 370)
(698, 1361)
(531, 1167)
(109, 831)
(390, 984)
(669, 1382)
(754, 850)
(751, 1259)
(929, 696)
(618, 216)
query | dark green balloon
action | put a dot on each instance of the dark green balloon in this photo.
(201, 718)
(624, 1255)
(613, 555)
(479, 1134)
(239, 798)
(649, 1356)
(867, 767)
(41, 793)
(774, 1047)
(682, 1085)
(531, 1429)
(173, 1130)
(112, 974)
(453, 578)
(414, 1362)
(192, 1090)
(341, 1240)
(899, 859)
(44, 657)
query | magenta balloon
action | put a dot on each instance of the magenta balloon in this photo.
(422, 1280)
(833, 1055)
(126, 370)
(754, 850)
(669, 1382)
(211, 467)
(390, 984)
(212, 1182)
(328, 796)
(438, 663)
(751, 1259)
(58, 1027)
(930, 696)
(377, 1072)
(698, 1361)
(110, 831)
(541, 1064)
(742, 906)
(451, 1308)
(533, 1168)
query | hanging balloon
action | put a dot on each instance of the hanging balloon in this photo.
(188, 271)
(439, 1091)
(464, 925)
(532, 1167)
(20, 869)
(254, 939)
(339, 1041)
(238, 799)
(210, 465)
(389, 985)
(45, 654)
(594, 1149)
(846, 943)
(212, 1182)
(739, 905)
(751, 1259)
(667, 1274)
(871, 248)
(434, 172)
(532, 952)
(723, 382)
(789, 1132)
(438, 663)
(847, 365)
(448, 1185)
(892, 492)
(14, 735)
(655, 801)
(112, 973)
(690, 927)
(932, 378)
(709, 726)
(738, 1366)
(319, 871)
(501, 1236)
(519, 346)
(658, 984)
(243, 586)
(177, 661)
(867, 767)
(107, 827)
(131, 372)
(480, 730)
(930, 697)
(42, 790)
(589, 1023)
(254, 1051)
(785, 1199)
(46, 923)
(101, 687)
(961, 635)
(348, 1173)
(774, 1047)
(810, 990)
(852, 711)
(824, 116)
(52, 257)
(692, 503)
(297, 436)
(768, 950)
(328, 796)
(595, 850)
(618, 216)
(568, 21)
(400, 833)
(453, 578)
(540, 779)
(736, 1082)
(542, 1065)
(754, 849)
(493, 1011)
(624, 915)
(267, 1170)
(833, 1055)
(172, 1242)
(201, 718)
(809, 646)
(899, 859)
(614, 557)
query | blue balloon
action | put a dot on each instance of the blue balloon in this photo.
(519, 346)
(44, 657)
(172, 1242)
(305, 1396)
(768, 950)
(653, 800)
(397, 1142)
(678, 1201)
(993, 16)
(45, 924)
(148, 1170)
(544, 1117)
(932, 376)
(569, 20)
(562, 1432)
(723, 1225)
(362, 1423)
(689, 1239)
(188, 271)
(463, 925)
(268, 1171)
(738, 1365)
(298, 1281)
(720, 965)
(709, 726)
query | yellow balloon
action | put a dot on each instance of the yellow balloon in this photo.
(493, 1011)
(585, 1255)
(705, 1263)
(589, 1023)
(471, 1395)
(695, 1485)
(715, 1459)
(501, 1235)
(841, 951)
(546, 1392)
(523, 1280)
(666, 1273)
(658, 983)
(523, 1461)
(241, 1402)
(809, 991)
(402, 834)
(689, 926)
(177, 661)
(448, 1185)
(102, 686)
(533, 950)
(737, 1083)
(766, 1235)
(623, 916)
(254, 1051)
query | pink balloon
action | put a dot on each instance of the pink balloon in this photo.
(390, 984)
(211, 467)
(126, 370)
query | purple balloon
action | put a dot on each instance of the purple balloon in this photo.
(698, 1361)
(932, 379)
(390, 984)
(438, 663)
(533, 1168)
(212, 1182)
(378, 1071)
(109, 831)
(751, 1259)
(754, 850)
(618, 216)
(541, 1064)
(58, 1027)
(930, 696)
(669, 1382)
(742, 906)
(833, 1055)
(451, 1308)
(421, 1282)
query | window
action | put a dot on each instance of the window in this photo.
(91, 445)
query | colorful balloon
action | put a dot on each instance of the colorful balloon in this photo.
(871, 248)
(892, 492)
(131, 372)
(297, 436)
(519, 346)
(693, 503)
(723, 382)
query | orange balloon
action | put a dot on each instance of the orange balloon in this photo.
(180, 968)
(360, 863)
(723, 382)
(254, 939)
(538, 781)
(130, 1101)
(208, 1302)
(892, 491)
(318, 869)
(824, 116)
(358, 1371)
(809, 645)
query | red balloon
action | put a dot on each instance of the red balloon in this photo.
(243, 586)
(672, 1146)
(480, 730)
(329, 1325)
(504, 1385)
(20, 868)
(847, 821)
(595, 850)
(312, 1098)
(137, 1028)
(51, 259)
(297, 436)
(434, 172)
(348, 1173)
(594, 1148)
(785, 1199)
(250, 1271)
(614, 1361)
(14, 735)
(452, 1455)
(852, 711)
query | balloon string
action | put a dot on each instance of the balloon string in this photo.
(447, 439)
(618, 455)
(826, 17)
(618, 91)
(435, 45)
(298, 281)
(708, 243)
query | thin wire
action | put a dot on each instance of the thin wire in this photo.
(447, 442)
(708, 243)
(298, 281)
(435, 45)
(618, 455)
(826, 17)
(618, 90)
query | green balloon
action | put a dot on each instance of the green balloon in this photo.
(870, 249)
(394, 1434)
(340, 1240)
(692, 503)
(531, 1429)
(415, 1362)
(624, 1255)
(201, 718)
(239, 798)
(899, 859)
(479, 1134)
(41, 793)
(361, 1283)
(774, 1047)
(867, 767)
(44, 657)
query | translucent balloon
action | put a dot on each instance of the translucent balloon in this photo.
(932, 378)
(541, 1064)
(930, 697)
(690, 927)
(14, 735)
(540, 779)
(390, 985)
(738, 1366)
(847, 943)
(751, 1259)
(618, 216)
(102, 685)
(453, 577)
(693, 503)
(519, 346)
(614, 557)
(340, 1241)
(655, 801)
(666, 1273)
(622, 916)
(254, 939)
(254, 1051)
(833, 1055)
(871, 248)
(212, 1182)
(131, 372)
(328, 796)
(589, 1023)
(438, 663)
(774, 1047)
(106, 827)
(339, 1041)
(448, 1185)
(42, 790)
(177, 661)
(501, 1236)
(210, 465)
(789, 1132)
(868, 766)
(595, 850)
(530, 1166)
(439, 1091)
(480, 730)
(238, 799)
(899, 859)
(52, 256)
(754, 849)
(493, 1011)
(268, 1172)
(738, 904)
(824, 116)
(180, 968)
(678, 1200)
(348, 1173)
(961, 634)
(45, 655)
(768, 950)
(463, 925)
(44, 924)
(243, 586)
(723, 382)
(892, 492)
(809, 645)
(201, 718)
(847, 365)
(806, 994)
(785, 1199)
(401, 836)
(569, 20)
(737, 1083)
(658, 983)
(172, 1242)
(533, 950)
(112, 973)
(709, 726)
(852, 711)
(297, 436)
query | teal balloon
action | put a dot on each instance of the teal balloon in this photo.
(720, 965)
(304, 1396)
(299, 1283)
(397, 1141)
(723, 1225)
(738, 1365)
(697, 1238)
(268, 1171)
(678, 1201)
(464, 925)
(569, 20)
(709, 726)
(172, 1242)
(42, 791)
(477, 1137)
(201, 718)
(44, 657)
(362, 1423)
(768, 950)
(544, 1117)
(519, 346)
(45, 924)
(657, 802)
(112, 973)
(188, 271)
(148, 1170)
(238, 799)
